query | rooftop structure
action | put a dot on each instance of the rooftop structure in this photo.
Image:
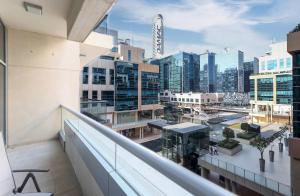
(276, 60)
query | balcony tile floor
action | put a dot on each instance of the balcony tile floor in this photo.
(60, 180)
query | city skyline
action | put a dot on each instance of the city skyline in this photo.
(255, 20)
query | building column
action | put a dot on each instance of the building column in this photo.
(153, 114)
(227, 184)
(234, 187)
(204, 172)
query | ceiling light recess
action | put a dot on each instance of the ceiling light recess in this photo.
(32, 8)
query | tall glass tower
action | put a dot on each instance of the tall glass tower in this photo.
(158, 37)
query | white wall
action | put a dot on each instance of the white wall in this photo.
(43, 72)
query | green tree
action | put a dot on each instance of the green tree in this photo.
(228, 133)
(261, 144)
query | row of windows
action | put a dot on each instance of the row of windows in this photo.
(273, 64)
(188, 100)
(99, 76)
(105, 95)
(265, 89)
(150, 88)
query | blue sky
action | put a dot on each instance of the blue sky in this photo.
(200, 25)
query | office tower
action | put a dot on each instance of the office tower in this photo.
(231, 60)
(208, 73)
(179, 72)
(275, 60)
(293, 47)
(250, 68)
(158, 37)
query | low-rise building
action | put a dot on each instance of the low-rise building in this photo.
(129, 89)
(192, 100)
(271, 96)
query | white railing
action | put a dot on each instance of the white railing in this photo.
(143, 170)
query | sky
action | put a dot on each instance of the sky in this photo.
(201, 25)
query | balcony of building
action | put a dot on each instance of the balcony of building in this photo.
(46, 45)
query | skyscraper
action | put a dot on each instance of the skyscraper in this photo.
(158, 37)
(179, 72)
(230, 64)
(208, 73)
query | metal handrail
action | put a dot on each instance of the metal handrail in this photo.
(244, 171)
(188, 180)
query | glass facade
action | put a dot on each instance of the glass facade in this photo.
(296, 94)
(252, 89)
(129, 55)
(272, 64)
(288, 62)
(126, 117)
(284, 89)
(99, 75)
(250, 68)
(230, 66)
(85, 75)
(208, 73)
(126, 86)
(108, 96)
(94, 95)
(179, 72)
(150, 88)
(265, 89)
(112, 76)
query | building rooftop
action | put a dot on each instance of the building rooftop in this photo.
(186, 127)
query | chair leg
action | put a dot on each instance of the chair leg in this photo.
(28, 176)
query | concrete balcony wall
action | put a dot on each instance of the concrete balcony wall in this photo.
(43, 72)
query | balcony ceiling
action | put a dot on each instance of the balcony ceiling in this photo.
(72, 19)
(52, 21)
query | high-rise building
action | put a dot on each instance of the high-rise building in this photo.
(275, 60)
(293, 47)
(179, 72)
(250, 67)
(230, 60)
(208, 73)
(158, 37)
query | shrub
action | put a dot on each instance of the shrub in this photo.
(229, 144)
(245, 126)
(246, 136)
(228, 133)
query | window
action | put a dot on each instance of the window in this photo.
(288, 62)
(179, 99)
(95, 95)
(281, 63)
(85, 75)
(298, 60)
(183, 100)
(85, 95)
(108, 96)
(265, 89)
(112, 76)
(143, 55)
(126, 86)
(187, 100)
(263, 65)
(197, 100)
(272, 64)
(150, 88)
(99, 75)
(129, 55)
(191, 100)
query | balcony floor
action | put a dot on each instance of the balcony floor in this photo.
(60, 180)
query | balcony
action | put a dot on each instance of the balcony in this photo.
(92, 159)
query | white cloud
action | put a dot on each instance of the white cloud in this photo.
(222, 23)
